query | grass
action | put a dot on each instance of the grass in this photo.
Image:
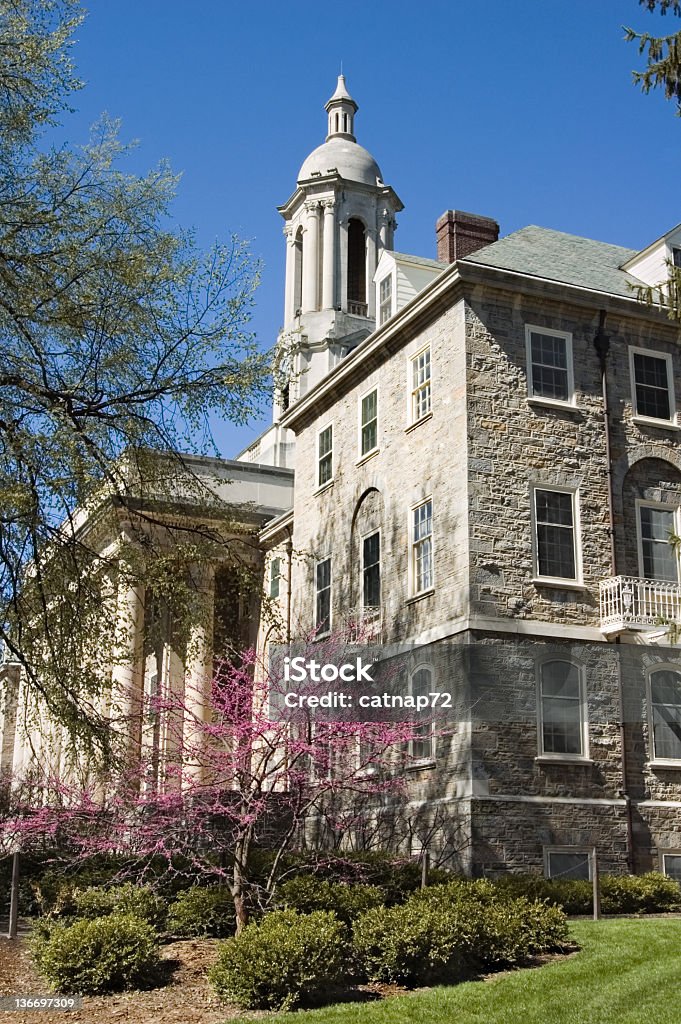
(627, 972)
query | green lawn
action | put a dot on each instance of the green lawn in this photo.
(627, 972)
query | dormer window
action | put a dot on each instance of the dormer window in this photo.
(385, 299)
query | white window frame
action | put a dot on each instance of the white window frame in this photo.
(541, 399)
(672, 762)
(641, 503)
(320, 561)
(413, 391)
(412, 547)
(428, 758)
(365, 536)
(275, 577)
(370, 451)
(558, 581)
(548, 850)
(389, 302)
(675, 253)
(663, 854)
(320, 485)
(653, 354)
(549, 755)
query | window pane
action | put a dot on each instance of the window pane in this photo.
(665, 696)
(323, 583)
(369, 422)
(550, 377)
(555, 534)
(561, 709)
(371, 582)
(421, 385)
(659, 557)
(421, 685)
(275, 575)
(422, 547)
(676, 257)
(325, 463)
(568, 865)
(651, 387)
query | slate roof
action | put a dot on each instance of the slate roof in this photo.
(421, 260)
(541, 252)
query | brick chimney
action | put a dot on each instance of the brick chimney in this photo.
(459, 234)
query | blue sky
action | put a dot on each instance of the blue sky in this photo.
(523, 111)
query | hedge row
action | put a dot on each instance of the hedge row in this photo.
(440, 935)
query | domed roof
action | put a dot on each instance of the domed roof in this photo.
(352, 161)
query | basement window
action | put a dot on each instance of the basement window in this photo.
(567, 862)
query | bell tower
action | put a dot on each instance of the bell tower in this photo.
(337, 223)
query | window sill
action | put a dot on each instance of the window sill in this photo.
(649, 421)
(417, 423)
(562, 759)
(557, 583)
(421, 766)
(418, 597)
(367, 456)
(321, 636)
(552, 403)
(323, 487)
(665, 766)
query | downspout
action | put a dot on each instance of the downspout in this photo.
(602, 346)
(289, 560)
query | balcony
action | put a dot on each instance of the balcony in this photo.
(357, 308)
(365, 625)
(630, 603)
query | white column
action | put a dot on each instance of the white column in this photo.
(343, 254)
(198, 673)
(370, 264)
(311, 258)
(128, 661)
(329, 256)
(290, 275)
(383, 229)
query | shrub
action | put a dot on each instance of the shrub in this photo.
(620, 894)
(202, 911)
(140, 901)
(308, 893)
(111, 953)
(639, 894)
(452, 932)
(286, 959)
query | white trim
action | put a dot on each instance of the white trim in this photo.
(548, 850)
(653, 354)
(361, 456)
(536, 485)
(548, 756)
(660, 666)
(318, 458)
(570, 401)
(412, 591)
(666, 507)
(429, 760)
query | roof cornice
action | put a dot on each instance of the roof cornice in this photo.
(439, 294)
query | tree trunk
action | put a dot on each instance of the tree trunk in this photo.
(239, 884)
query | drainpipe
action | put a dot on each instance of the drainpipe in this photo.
(602, 346)
(289, 559)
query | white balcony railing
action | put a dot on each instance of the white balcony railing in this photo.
(628, 602)
(365, 625)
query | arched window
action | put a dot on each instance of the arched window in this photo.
(422, 743)
(665, 709)
(562, 710)
(345, 122)
(356, 268)
(298, 272)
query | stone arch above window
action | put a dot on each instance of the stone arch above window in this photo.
(651, 498)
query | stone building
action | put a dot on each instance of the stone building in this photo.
(488, 472)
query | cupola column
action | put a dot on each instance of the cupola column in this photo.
(370, 264)
(290, 274)
(311, 258)
(329, 255)
(343, 254)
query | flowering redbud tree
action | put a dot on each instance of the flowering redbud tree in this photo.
(220, 775)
